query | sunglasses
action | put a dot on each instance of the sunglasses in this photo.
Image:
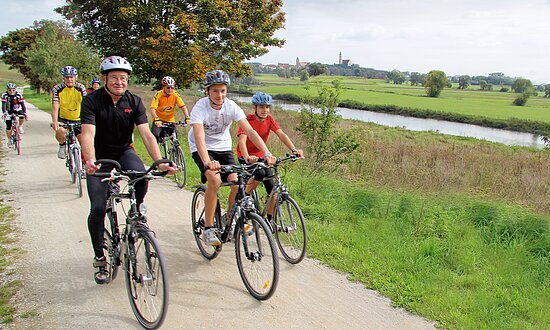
(11, 90)
(169, 87)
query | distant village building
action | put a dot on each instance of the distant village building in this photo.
(301, 64)
(343, 62)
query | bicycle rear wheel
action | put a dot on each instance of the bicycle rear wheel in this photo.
(257, 258)
(146, 280)
(177, 156)
(197, 220)
(77, 169)
(290, 230)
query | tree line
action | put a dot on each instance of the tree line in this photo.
(180, 38)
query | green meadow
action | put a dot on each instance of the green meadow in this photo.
(469, 102)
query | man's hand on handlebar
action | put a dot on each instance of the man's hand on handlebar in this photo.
(170, 168)
(91, 167)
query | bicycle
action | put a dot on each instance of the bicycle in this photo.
(15, 134)
(135, 246)
(174, 151)
(288, 224)
(255, 250)
(73, 158)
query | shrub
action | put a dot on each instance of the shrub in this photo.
(504, 90)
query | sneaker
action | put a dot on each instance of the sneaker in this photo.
(210, 237)
(61, 152)
(102, 276)
(21, 130)
(10, 143)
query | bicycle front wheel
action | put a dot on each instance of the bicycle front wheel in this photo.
(197, 220)
(290, 230)
(257, 258)
(77, 170)
(146, 280)
(177, 156)
(17, 141)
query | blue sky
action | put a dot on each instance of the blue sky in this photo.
(459, 37)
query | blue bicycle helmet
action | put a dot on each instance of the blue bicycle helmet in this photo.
(69, 71)
(96, 80)
(261, 98)
(10, 86)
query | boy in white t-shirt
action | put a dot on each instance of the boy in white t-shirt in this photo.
(211, 145)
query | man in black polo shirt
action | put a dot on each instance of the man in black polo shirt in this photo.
(108, 118)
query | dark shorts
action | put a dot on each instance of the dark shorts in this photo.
(223, 157)
(77, 130)
(264, 175)
(9, 120)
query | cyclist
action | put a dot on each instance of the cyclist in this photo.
(210, 143)
(96, 83)
(163, 107)
(66, 99)
(262, 122)
(13, 103)
(109, 116)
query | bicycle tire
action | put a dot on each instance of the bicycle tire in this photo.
(197, 221)
(177, 156)
(16, 139)
(290, 229)
(77, 170)
(115, 256)
(257, 258)
(146, 280)
(109, 252)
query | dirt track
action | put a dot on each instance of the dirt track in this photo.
(58, 274)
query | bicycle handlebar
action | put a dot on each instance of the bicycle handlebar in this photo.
(118, 173)
(241, 168)
(172, 124)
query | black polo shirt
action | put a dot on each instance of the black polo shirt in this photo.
(114, 124)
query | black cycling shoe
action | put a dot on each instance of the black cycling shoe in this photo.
(102, 276)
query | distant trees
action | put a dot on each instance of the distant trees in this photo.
(547, 90)
(436, 81)
(524, 87)
(417, 79)
(521, 84)
(304, 75)
(316, 69)
(484, 86)
(396, 76)
(464, 81)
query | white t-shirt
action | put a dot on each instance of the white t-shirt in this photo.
(216, 124)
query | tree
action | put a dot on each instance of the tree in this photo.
(464, 82)
(435, 82)
(415, 78)
(396, 76)
(327, 145)
(521, 85)
(547, 90)
(283, 72)
(180, 38)
(304, 75)
(14, 45)
(51, 52)
(316, 69)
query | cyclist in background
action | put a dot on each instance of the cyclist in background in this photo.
(109, 116)
(66, 99)
(13, 103)
(210, 143)
(163, 107)
(262, 122)
(96, 83)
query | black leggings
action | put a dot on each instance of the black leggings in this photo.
(97, 192)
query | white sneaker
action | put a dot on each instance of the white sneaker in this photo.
(10, 143)
(61, 152)
(21, 130)
(210, 237)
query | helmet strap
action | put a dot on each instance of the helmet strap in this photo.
(216, 104)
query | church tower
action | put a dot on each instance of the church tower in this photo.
(340, 58)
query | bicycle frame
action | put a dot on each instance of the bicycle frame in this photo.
(173, 138)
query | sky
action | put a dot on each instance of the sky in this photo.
(473, 37)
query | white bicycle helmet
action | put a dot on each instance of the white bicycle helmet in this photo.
(112, 63)
(168, 81)
(216, 77)
(69, 71)
(10, 85)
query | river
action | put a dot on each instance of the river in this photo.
(507, 137)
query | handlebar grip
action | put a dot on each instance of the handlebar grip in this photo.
(110, 162)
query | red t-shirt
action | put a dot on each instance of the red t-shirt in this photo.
(262, 128)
